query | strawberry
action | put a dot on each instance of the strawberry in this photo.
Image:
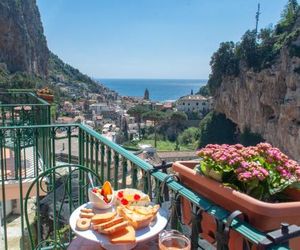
(136, 197)
(102, 192)
(94, 190)
(124, 202)
(120, 194)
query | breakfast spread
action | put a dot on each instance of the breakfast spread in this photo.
(133, 211)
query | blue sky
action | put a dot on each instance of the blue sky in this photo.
(148, 38)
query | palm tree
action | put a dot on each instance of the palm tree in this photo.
(156, 117)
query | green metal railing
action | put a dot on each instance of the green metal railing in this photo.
(66, 148)
(23, 108)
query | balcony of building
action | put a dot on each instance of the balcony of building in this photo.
(44, 180)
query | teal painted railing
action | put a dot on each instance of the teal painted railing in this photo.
(75, 147)
(23, 108)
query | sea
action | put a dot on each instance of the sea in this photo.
(159, 89)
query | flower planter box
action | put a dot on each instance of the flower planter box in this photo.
(46, 97)
(261, 215)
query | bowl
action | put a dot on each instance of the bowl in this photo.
(97, 200)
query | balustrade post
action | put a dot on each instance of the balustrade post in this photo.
(175, 212)
(36, 169)
(108, 161)
(116, 170)
(102, 162)
(124, 172)
(134, 177)
(97, 156)
(3, 203)
(19, 169)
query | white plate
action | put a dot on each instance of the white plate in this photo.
(141, 235)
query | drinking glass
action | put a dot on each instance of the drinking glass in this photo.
(173, 240)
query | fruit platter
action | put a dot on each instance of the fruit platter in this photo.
(118, 219)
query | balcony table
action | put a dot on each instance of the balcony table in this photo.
(80, 243)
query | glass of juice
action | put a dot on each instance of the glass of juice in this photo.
(173, 240)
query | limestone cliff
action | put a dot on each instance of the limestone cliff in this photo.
(23, 46)
(267, 102)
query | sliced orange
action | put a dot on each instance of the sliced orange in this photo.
(106, 189)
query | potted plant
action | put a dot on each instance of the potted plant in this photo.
(252, 179)
(46, 94)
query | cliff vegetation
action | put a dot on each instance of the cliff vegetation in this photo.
(256, 82)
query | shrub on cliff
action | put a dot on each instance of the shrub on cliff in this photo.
(223, 63)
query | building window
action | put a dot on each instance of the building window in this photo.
(189, 104)
(197, 103)
(183, 103)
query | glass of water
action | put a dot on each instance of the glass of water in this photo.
(173, 240)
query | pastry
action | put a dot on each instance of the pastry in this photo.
(86, 215)
(86, 210)
(101, 218)
(130, 196)
(125, 236)
(114, 229)
(145, 210)
(135, 219)
(108, 224)
(83, 224)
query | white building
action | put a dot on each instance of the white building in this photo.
(98, 108)
(194, 103)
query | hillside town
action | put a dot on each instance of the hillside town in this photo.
(107, 112)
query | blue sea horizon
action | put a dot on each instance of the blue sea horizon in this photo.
(159, 89)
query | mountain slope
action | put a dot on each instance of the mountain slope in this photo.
(23, 46)
(25, 60)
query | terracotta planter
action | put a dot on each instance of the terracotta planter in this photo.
(46, 97)
(262, 215)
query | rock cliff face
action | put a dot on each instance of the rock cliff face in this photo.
(23, 46)
(267, 102)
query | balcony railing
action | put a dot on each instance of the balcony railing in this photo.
(23, 108)
(56, 152)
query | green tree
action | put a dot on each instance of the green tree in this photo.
(266, 50)
(177, 120)
(288, 17)
(125, 130)
(189, 136)
(137, 112)
(156, 117)
(204, 91)
(223, 62)
(53, 112)
(247, 49)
